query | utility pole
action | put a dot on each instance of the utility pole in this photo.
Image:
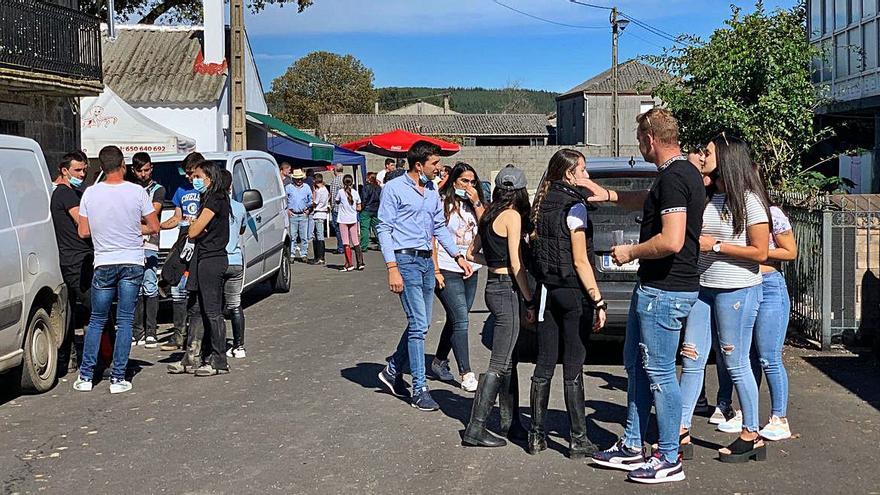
(238, 117)
(615, 82)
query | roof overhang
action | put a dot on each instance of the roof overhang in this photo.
(54, 85)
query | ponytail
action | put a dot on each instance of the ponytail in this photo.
(536, 206)
(347, 181)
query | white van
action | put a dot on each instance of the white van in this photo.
(33, 298)
(266, 241)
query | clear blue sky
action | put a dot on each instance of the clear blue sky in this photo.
(440, 43)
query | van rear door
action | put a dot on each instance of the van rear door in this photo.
(12, 317)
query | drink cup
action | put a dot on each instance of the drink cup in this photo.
(616, 237)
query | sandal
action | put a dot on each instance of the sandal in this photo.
(685, 450)
(743, 450)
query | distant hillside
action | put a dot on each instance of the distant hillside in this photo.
(471, 100)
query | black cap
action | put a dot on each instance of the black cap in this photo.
(510, 178)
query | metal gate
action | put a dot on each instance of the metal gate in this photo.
(833, 284)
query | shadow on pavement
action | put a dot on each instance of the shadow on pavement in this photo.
(858, 374)
(366, 375)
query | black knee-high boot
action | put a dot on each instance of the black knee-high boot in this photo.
(579, 446)
(508, 407)
(476, 434)
(236, 317)
(137, 328)
(539, 399)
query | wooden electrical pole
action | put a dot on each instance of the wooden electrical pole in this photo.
(615, 133)
(238, 117)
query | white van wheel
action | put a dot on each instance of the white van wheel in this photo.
(40, 360)
(281, 280)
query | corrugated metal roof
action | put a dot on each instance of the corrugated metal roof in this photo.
(156, 65)
(435, 125)
(635, 78)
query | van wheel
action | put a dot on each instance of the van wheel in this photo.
(281, 280)
(40, 354)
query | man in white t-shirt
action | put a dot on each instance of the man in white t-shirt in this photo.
(116, 214)
(389, 167)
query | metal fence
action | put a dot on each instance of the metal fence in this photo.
(834, 284)
(43, 37)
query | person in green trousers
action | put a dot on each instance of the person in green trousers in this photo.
(369, 215)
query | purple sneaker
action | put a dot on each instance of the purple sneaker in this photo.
(619, 456)
(657, 470)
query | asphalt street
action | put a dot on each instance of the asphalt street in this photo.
(303, 413)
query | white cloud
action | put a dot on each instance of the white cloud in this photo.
(442, 16)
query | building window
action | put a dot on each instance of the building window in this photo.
(870, 45)
(469, 141)
(855, 13)
(11, 127)
(869, 8)
(827, 59)
(645, 106)
(856, 55)
(829, 16)
(841, 13)
(815, 19)
(841, 56)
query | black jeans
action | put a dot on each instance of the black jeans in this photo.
(78, 279)
(562, 315)
(457, 298)
(207, 303)
(502, 300)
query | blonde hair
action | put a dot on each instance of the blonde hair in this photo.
(660, 123)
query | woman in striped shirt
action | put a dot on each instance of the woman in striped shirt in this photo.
(733, 244)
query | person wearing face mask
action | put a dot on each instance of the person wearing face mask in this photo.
(410, 216)
(144, 328)
(75, 253)
(186, 204)
(463, 207)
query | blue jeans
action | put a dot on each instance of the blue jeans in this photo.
(728, 315)
(179, 292)
(319, 228)
(108, 282)
(417, 299)
(150, 286)
(652, 330)
(335, 225)
(299, 228)
(769, 338)
(457, 298)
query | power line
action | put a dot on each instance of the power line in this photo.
(632, 35)
(655, 31)
(590, 5)
(645, 23)
(547, 20)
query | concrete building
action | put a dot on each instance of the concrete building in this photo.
(583, 113)
(847, 70)
(178, 77)
(40, 81)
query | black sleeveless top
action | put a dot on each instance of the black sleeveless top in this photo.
(494, 247)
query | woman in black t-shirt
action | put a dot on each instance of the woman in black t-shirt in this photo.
(210, 234)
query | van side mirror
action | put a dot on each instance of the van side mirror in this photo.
(252, 200)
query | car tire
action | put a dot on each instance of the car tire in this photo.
(40, 360)
(281, 280)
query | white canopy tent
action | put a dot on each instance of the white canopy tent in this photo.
(108, 120)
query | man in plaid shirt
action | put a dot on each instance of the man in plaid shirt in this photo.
(335, 186)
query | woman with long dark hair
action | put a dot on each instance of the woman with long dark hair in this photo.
(561, 265)
(210, 234)
(501, 230)
(349, 204)
(733, 243)
(463, 207)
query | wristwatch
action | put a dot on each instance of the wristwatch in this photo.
(478, 204)
(716, 247)
(601, 304)
(457, 256)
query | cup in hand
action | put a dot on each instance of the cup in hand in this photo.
(616, 237)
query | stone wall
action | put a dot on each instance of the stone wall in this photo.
(532, 159)
(51, 121)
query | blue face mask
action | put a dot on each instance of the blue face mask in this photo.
(75, 182)
(199, 185)
(461, 193)
(423, 178)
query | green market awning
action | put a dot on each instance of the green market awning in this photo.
(320, 150)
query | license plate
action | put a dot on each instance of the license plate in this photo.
(609, 266)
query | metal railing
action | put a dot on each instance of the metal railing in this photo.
(41, 37)
(833, 284)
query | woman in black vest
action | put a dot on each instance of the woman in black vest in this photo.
(501, 232)
(561, 265)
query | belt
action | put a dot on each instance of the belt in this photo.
(421, 253)
(298, 212)
(501, 277)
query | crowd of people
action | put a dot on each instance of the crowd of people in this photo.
(709, 253)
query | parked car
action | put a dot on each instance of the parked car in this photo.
(33, 298)
(266, 241)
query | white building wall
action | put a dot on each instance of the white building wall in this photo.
(200, 123)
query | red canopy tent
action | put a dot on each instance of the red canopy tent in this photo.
(396, 143)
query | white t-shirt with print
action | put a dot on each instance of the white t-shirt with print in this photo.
(115, 212)
(781, 224)
(347, 212)
(577, 217)
(462, 224)
(721, 271)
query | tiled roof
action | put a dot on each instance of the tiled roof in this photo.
(635, 78)
(435, 125)
(421, 108)
(156, 65)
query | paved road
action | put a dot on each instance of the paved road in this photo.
(303, 414)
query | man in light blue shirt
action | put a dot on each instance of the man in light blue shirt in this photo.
(410, 217)
(299, 205)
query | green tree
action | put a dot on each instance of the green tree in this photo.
(321, 83)
(176, 11)
(752, 78)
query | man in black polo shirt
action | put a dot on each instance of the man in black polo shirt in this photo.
(669, 282)
(74, 252)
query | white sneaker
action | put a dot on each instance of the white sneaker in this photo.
(777, 429)
(720, 415)
(469, 382)
(120, 386)
(441, 370)
(151, 343)
(229, 352)
(136, 342)
(732, 425)
(238, 353)
(81, 385)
